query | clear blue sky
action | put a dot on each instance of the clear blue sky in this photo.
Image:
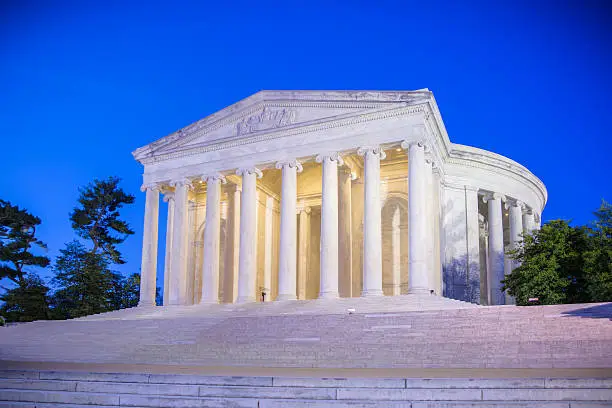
(82, 84)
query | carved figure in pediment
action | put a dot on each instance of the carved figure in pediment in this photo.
(266, 119)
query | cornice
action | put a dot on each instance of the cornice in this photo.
(468, 156)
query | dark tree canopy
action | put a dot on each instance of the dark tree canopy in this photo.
(85, 283)
(27, 302)
(564, 264)
(598, 257)
(17, 240)
(97, 217)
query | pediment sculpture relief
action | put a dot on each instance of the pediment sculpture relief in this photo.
(267, 119)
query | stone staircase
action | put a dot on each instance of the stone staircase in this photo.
(383, 333)
(98, 389)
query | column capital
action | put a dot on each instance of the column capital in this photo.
(168, 195)
(306, 210)
(526, 209)
(249, 170)
(420, 143)
(374, 150)
(493, 196)
(512, 202)
(290, 163)
(151, 186)
(182, 183)
(333, 156)
(214, 178)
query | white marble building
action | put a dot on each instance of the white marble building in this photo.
(307, 194)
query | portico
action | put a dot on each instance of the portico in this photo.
(312, 194)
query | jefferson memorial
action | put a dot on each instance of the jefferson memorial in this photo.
(322, 194)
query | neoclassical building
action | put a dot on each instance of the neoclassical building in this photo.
(324, 194)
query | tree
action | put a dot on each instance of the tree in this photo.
(85, 282)
(127, 291)
(551, 265)
(17, 240)
(27, 302)
(97, 217)
(598, 257)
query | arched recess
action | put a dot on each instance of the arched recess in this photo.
(395, 244)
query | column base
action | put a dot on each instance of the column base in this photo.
(418, 291)
(246, 299)
(372, 293)
(285, 297)
(209, 302)
(329, 295)
(146, 304)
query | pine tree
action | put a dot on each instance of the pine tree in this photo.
(27, 302)
(97, 218)
(86, 283)
(17, 240)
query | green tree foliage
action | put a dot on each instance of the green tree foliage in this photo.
(564, 264)
(27, 302)
(598, 257)
(86, 284)
(126, 292)
(551, 265)
(97, 217)
(17, 240)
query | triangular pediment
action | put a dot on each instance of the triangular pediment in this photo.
(271, 111)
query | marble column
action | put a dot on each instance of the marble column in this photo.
(372, 224)
(496, 247)
(516, 231)
(287, 265)
(429, 225)
(248, 240)
(472, 263)
(303, 263)
(232, 242)
(148, 271)
(178, 277)
(537, 221)
(528, 220)
(516, 222)
(345, 238)
(169, 198)
(396, 252)
(329, 225)
(212, 236)
(418, 281)
(268, 223)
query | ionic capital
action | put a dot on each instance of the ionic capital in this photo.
(249, 170)
(373, 150)
(420, 143)
(151, 186)
(304, 209)
(526, 209)
(168, 196)
(214, 178)
(334, 156)
(512, 202)
(182, 183)
(493, 196)
(290, 164)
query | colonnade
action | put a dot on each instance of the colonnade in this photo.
(334, 241)
(289, 288)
